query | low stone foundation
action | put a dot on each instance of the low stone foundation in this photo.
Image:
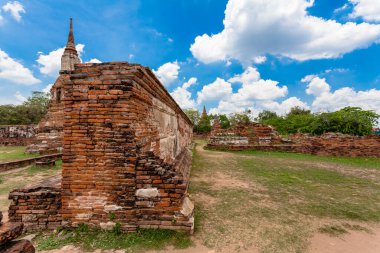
(38, 207)
(345, 146)
(28, 161)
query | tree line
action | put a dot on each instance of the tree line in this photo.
(29, 112)
(349, 120)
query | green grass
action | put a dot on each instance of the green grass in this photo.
(333, 230)
(18, 179)
(8, 154)
(91, 239)
(366, 162)
(317, 191)
(287, 201)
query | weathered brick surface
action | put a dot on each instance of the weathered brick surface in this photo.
(38, 207)
(17, 135)
(243, 134)
(10, 231)
(241, 138)
(49, 131)
(122, 133)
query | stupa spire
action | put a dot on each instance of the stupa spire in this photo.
(70, 55)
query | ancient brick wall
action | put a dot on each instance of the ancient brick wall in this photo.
(16, 135)
(243, 134)
(340, 145)
(328, 145)
(49, 131)
(125, 150)
(37, 207)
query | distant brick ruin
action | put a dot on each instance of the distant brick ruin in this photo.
(16, 135)
(261, 137)
(126, 152)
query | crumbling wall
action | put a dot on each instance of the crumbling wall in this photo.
(243, 134)
(38, 207)
(49, 131)
(124, 153)
(16, 135)
(327, 144)
(339, 145)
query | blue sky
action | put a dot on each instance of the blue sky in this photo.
(228, 55)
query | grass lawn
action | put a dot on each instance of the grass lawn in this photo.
(91, 239)
(364, 162)
(275, 202)
(19, 178)
(8, 154)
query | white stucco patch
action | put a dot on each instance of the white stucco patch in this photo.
(107, 225)
(110, 208)
(187, 207)
(147, 193)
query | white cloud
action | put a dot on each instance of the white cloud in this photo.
(50, 63)
(253, 28)
(255, 88)
(168, 72)
(343, 8)
(94, 60)
(182, 96)
(260, 59)
(191, 81)
(256, 94)
(368, 9)
(14, 71)
(20, 98)
(48, 88)
(317, 86)
(326, 100)
(15, 9)
(218, 90)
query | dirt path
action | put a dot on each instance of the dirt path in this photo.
(355, 241)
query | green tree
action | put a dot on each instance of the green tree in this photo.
(266, 116)
(238, 118)
(30, 112)
(224, 121)
(193, 115)
(349, 120)
(204, 124)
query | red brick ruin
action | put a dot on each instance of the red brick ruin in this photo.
(256, 136)
(125, 151)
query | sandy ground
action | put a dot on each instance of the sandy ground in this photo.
(354, 242)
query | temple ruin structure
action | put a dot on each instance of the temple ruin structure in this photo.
(125, 151)
(255, 136)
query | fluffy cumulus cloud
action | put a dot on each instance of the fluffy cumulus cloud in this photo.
(255, 93)
(253, 28)
(48, 88)
(15, 9)
(183, 96)
(13, 71)
(94, 60)
(50, 64)
(168, 72)
(218, 90)
(327, 100)
(19, 98)
(369, 10)
(317, 86)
